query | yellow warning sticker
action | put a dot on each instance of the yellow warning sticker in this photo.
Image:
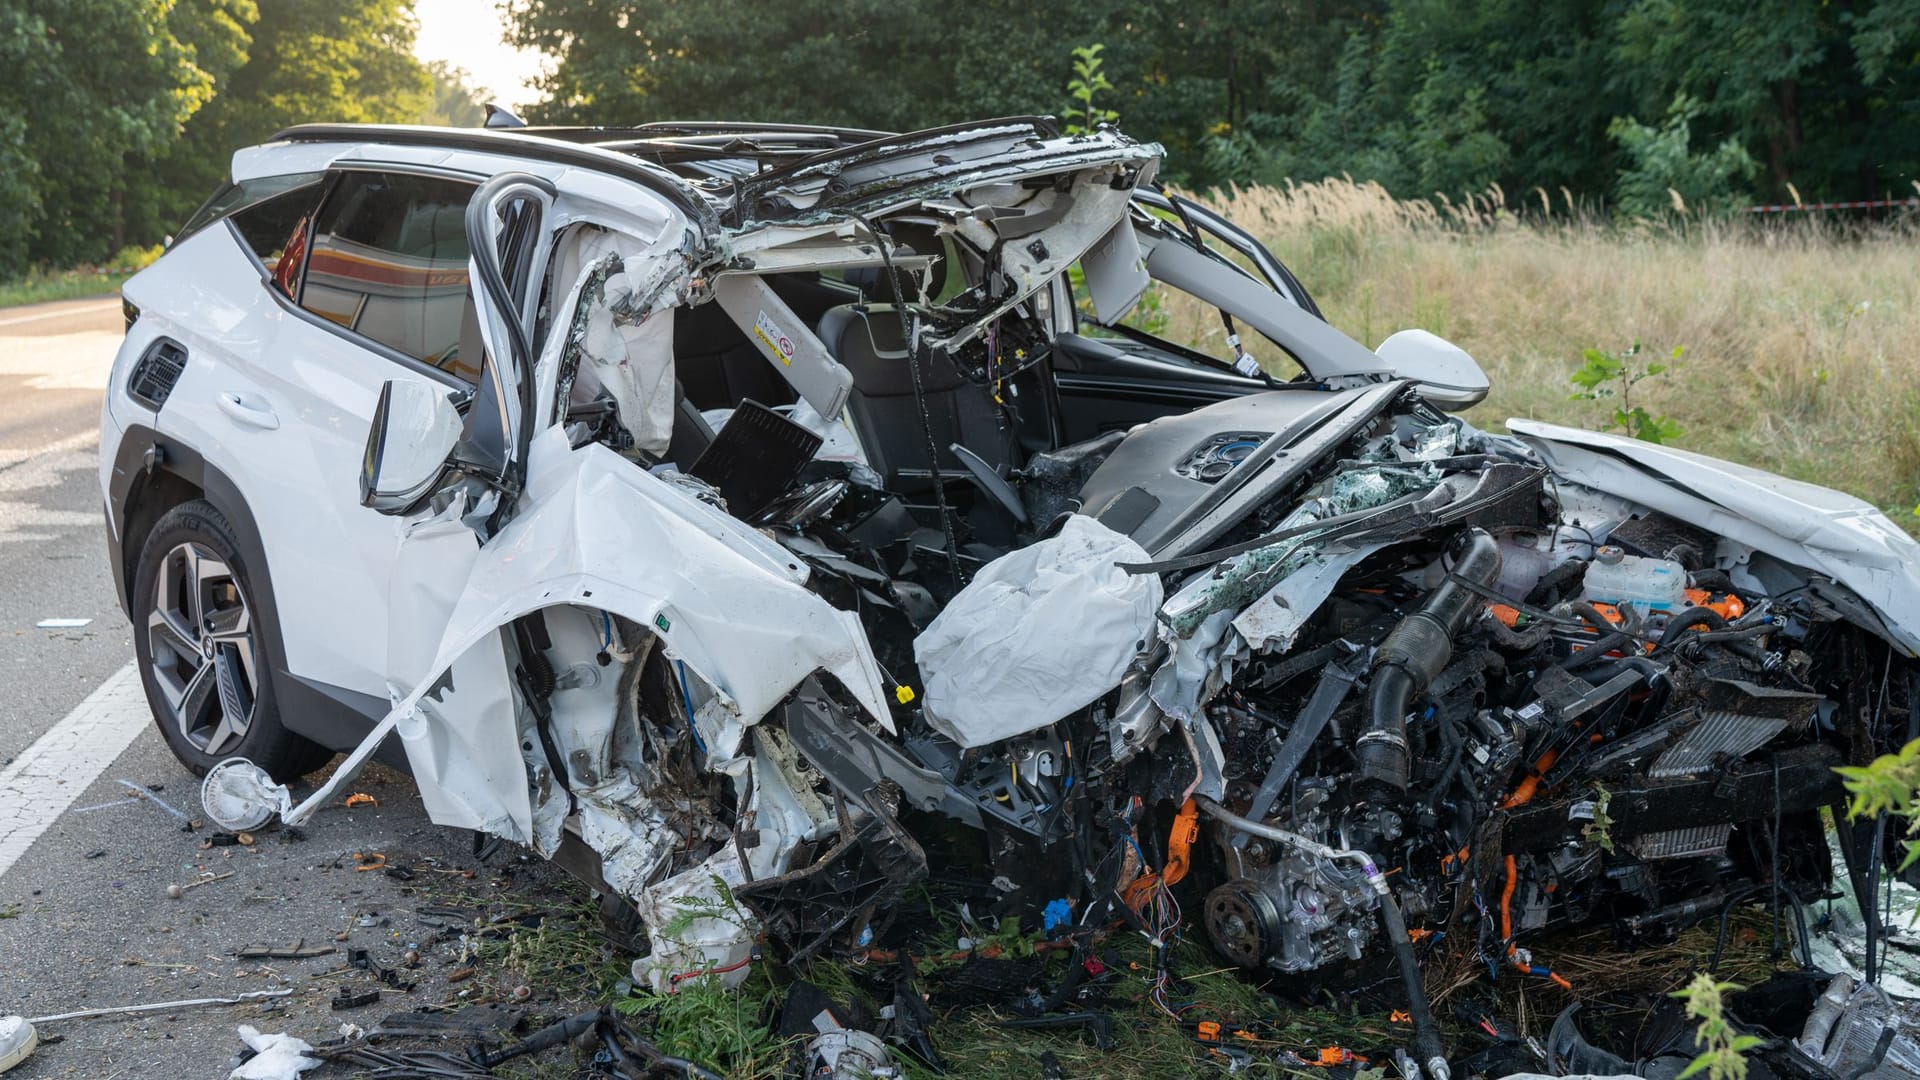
(777, 343)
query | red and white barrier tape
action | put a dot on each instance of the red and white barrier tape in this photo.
(1874, 204)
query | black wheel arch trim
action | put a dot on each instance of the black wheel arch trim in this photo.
(332, 716)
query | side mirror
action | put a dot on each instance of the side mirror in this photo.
(1446, 375)
(415, 427)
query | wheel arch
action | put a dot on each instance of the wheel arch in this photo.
(153, 474)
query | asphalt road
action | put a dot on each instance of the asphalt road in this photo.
(85, 918)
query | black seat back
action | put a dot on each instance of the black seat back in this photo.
(866, 339)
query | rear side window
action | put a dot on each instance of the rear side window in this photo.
(275, 230)
(388, 260)
(236, 197)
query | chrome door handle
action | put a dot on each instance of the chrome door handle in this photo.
(251, 415)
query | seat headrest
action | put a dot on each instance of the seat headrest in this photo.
(867, 341)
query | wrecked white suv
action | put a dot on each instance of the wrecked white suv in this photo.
(750, 517)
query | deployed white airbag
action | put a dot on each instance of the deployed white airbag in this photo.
(1037, 634)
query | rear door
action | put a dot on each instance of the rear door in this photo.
(369, 285)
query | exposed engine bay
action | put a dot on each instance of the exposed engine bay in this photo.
(943, 593)
(1484, 701)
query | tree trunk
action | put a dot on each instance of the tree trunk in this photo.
(1785, 146)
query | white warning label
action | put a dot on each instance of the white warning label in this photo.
(779, 344)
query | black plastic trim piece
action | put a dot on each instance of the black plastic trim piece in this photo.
(148, 386)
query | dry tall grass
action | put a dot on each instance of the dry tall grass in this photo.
(1802, 342)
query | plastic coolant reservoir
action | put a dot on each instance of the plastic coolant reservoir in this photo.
(1615, 577)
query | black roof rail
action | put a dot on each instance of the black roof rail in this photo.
(1043, 127)
(521, 143)
(742, 127)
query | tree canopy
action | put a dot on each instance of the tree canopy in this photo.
(117, 116)
(1422, 95)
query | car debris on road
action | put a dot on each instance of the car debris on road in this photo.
(811, 526)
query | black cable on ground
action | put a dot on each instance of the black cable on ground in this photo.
(884, 241)
(1870, 903)
(1426, 1032)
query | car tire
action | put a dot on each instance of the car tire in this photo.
(203, 648)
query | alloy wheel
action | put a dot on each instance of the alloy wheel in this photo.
(201, 646)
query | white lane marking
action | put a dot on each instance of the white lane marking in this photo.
(22, 517)
(79, 440)
(77, 361)
(49, 775)
(104, 305)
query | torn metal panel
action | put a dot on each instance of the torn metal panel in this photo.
(459, 769)
(1272, 622)
(875, 177)
(696, 932)
(1235, 583)
(591, 510)
(1801, 524)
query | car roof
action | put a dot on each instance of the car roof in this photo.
(696, 152)
(700, 167)
(476, 149)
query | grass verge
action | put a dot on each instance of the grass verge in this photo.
(42, 286)
(1800, 338)
(734, 1031)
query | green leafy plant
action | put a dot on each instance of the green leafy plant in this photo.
(1664, 175)
(1724, 1048)
(1084, 88)
(1889, 784)
(709, 1023)
(1600, 829)
(1605, 376)
(691, 909)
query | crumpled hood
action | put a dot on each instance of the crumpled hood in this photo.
(1795, 522)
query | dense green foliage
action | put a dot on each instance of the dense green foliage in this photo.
(1617, 98)
(118, 116)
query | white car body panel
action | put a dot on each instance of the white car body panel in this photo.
(250, 357)
(591, 513)
(1799, 523)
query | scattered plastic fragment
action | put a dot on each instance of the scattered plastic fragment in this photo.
(276, 1057)
(1057, 914)
(354, 999)
(147, 794)
(361, 798)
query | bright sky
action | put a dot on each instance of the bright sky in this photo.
(466, 34)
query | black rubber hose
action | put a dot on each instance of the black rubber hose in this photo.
(1456, 750)
(1417, 650)
(1739, 641)
(1689, 619)
(1595, 652)
(1600, 623)
(1426, 1033)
